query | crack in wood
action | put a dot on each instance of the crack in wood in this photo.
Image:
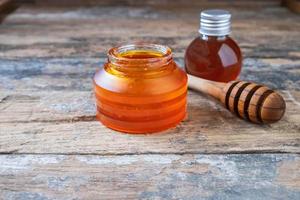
(83, 118)
(240, 152)
(4, 99)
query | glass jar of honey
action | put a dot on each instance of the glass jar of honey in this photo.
(140, 89)
(214, 55)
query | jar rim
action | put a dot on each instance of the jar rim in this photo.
(164, 50)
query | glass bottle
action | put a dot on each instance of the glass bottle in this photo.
(214, 55)
(140, 89)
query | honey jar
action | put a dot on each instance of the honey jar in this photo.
(140, 89)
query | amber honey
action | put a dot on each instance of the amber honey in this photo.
(214, 55)
(140, 89)
(214, 58)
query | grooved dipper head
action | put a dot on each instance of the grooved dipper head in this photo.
(253, 102)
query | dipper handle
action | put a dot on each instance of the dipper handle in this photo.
(250, 101)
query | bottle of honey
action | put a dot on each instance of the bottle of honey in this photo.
(214, 55)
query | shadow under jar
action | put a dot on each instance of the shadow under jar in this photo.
(140, 89)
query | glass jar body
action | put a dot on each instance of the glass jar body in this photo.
(214, 58)
(138, 96)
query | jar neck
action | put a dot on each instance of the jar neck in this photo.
(139, 59)
(213, 38)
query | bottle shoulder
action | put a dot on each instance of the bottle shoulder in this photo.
(212, 48)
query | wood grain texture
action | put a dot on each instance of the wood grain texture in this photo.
(46, 80)
(59, 151)
(57, 118)
(189, 177)
(241, 3)
(49, 122)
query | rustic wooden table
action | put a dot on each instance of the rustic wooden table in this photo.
(53, 148)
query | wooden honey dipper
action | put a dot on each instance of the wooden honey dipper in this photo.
(249, 101)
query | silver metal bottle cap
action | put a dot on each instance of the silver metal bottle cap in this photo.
(215, 22)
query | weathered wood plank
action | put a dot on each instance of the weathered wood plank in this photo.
(34, 74)
(77, 47)
(241, 3)
(47, 59)
(64, 122)
(46, 80)
(89, 32)
(190, 177)
(51, 106)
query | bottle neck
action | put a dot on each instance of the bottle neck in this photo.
(139, 59)
(213, 38)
